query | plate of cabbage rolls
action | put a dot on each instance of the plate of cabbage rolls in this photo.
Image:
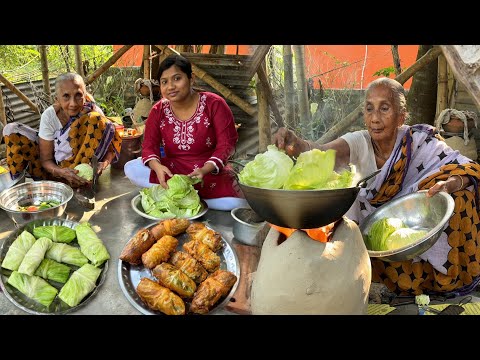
(52, 266)
(178, 267)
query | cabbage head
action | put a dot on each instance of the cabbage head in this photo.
(381, 230)
(85, 171)
(403, 237)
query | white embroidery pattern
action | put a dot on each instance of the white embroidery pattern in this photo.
(206, 122)
(209, 142)
(212, 185)
(195, 167)
(183, 130)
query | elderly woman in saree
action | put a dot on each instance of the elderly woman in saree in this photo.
(71, 131)
(410, 158)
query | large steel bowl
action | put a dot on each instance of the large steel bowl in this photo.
(7, 182)
(301, 209)
(417, 211)
(31, 192)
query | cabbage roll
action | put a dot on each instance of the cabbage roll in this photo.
(217, 285)
(34, 287)
(67, 254)
(158, 297)
(189, 266)
(203, 254)
(91, 245)
(81, 283)
(198, 231)
(52, 270)
(133, 251)
(174, 279)
(56, 233)
(160, 251)
(17, 250)
(172, 227)
(34, 256)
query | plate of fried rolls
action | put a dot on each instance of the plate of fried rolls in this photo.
(178, 267)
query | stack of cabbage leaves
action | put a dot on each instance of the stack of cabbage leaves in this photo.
(390, 234)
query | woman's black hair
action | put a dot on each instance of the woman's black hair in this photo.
(182, 63)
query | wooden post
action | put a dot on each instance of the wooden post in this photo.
(78, 60)
(257, 58)
(341, 126)
(302, 91)
(146, 62)
(289, 88)
(44, 63)
(3, 115)
(396, 60)
(113, 59)
(226, 92)
(17, 92)
(264, 130)
(442, 88)
(262, 76)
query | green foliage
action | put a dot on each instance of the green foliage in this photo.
(385, 71)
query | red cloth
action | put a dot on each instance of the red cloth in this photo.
(209, 135)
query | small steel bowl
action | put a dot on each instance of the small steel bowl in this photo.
(417, 211)
(243, 231)
(7, 182)
(28, 193)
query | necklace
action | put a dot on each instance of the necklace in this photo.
(376, 151)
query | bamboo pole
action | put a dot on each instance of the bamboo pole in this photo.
(226, 92)
(44, 64)
(146, 62)
(3, 115)
(289, 88)
(262, 76)
(113, 59)
(341, 126)
(78, 60)
(442, 88)
(396, 60)
(302, 92)
(257, 58)
(17, 92)
(264, 130)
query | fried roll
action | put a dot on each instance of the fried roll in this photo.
(203, 254)
(217, 285)
(174, 279)
(189, 266)
(133, 251)
(158, 297)
(172, 227)
(211, 238)
(160, 251)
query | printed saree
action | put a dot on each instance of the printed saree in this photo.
(452, 265)
(83, 136)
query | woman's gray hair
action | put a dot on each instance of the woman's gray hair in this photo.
(68, 77)
(397, 90)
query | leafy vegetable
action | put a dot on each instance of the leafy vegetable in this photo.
(91, 245)
(33, 287)
(66, 254)
(52, 270)
(57, 233)
(381, 230)
(85, 171)
(34, 256)
(80, 284)
(268, 170)
(422, 300)
(17, 250)
(403, 237)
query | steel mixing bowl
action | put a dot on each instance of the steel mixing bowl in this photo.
(7, 182)
(33, 192)
(417, 211)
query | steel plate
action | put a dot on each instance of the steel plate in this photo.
(130, 275)
(137, 207)
(57, 307)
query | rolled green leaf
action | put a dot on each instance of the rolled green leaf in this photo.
(57, 233)
(52, 270)
(34, 256)
(81, 283)
(33, 287)
(17, 250)
(67, 254)
(91, 245)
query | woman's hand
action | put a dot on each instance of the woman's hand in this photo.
(452, 184)
(197, 174)
(161, 171)
(70, 175)
(439, 186)
(102, 166)
(286, 140)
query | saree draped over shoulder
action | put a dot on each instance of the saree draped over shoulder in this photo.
(85, 135)
(452, 265)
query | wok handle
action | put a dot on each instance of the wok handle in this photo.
(363, 182)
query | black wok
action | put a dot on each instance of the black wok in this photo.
(302, 209)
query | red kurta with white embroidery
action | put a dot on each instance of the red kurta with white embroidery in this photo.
(208, 136)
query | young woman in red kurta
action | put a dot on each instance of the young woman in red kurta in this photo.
(191, 133)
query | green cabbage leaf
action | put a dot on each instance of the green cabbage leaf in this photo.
(380, 231)
(85, 171)
(34, 256)
(52, 270)
(67, 254)
(91, 245)
(57, 233)
(33, 287)
(17, 250)
(403, 237)
(81, 283)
